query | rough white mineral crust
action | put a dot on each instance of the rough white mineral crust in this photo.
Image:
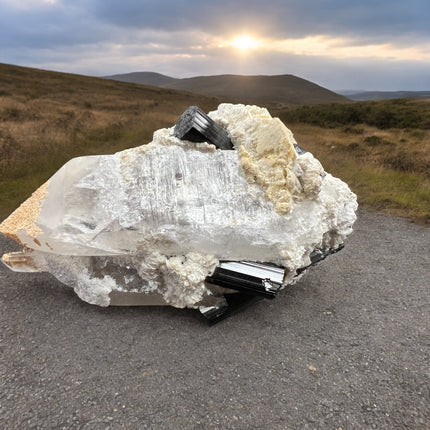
(157, 219)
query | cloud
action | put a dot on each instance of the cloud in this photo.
(340, 47)
(278, 18)
(331, 42)
(28, 4)
(378, 20)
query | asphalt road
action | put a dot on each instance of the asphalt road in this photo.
(347, 347)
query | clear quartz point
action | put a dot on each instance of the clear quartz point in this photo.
(157, 219)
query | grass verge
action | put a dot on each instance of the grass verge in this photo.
(381, 149)
(389, 170)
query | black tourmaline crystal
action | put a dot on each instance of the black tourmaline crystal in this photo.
(196, 126)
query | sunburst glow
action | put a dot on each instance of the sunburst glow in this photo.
(245, 42)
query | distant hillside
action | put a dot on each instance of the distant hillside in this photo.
(144, 78)
(266, 90)
(48, 117)
(386, 95)
(381, 148)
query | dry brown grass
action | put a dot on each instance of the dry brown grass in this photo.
(405, 150)
(46, 118)
(388, 169)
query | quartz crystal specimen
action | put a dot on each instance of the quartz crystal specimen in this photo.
(184, 223)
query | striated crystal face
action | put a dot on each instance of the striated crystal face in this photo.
(157, 219)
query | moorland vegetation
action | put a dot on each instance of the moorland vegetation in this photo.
(381, 149)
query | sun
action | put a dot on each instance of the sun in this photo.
(245, 42)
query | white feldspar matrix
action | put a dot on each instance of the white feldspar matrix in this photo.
(156, 220)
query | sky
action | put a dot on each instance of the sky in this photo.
(338, 44)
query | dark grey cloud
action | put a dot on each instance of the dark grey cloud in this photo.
(48, 27)
(88, 21)
(105, 36)
(287, 18)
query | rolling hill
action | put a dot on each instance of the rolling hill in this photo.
(386, 95)
(381, 148)
(274, 90)
(144, 78)
(48, 117)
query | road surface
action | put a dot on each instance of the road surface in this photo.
(346, 348)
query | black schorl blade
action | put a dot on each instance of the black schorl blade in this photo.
(194, 125)
(319, 254)
(235, 303)
(258, 279)
(252, 281)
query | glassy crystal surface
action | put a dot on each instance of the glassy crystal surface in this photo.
(157, 219)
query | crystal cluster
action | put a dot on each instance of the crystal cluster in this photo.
(150, 225)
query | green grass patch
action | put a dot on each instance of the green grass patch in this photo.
(383, 189)
(398, 113)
